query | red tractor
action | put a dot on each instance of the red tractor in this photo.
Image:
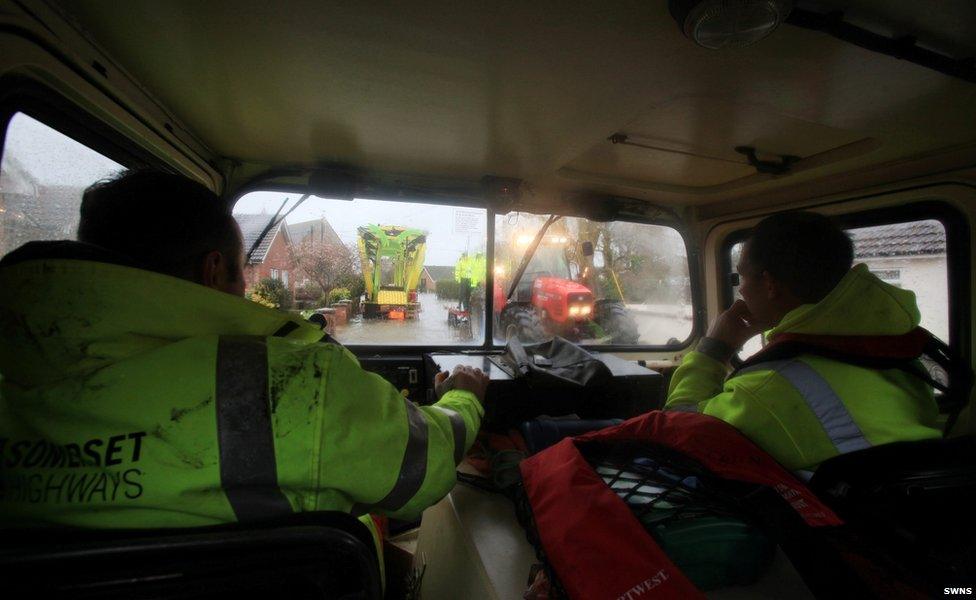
(551, 298)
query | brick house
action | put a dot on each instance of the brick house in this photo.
(272, 258)
(432, 274)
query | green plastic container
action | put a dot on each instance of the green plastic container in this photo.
(715, 552)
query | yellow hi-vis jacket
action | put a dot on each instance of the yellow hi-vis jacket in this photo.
(478, 264)
(808, 409)
(132, 399)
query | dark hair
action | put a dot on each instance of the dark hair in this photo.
(803, 250)
(163, 222)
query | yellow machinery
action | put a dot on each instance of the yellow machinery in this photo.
(392, 259)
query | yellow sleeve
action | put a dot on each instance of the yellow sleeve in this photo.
(385, 453)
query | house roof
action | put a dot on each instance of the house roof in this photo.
(318, 230)
(251, 228)
(437, 273)
(917, 238)
(34, 210)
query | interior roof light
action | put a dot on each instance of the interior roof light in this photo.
(716, 24)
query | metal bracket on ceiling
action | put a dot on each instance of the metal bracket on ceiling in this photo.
(623, 138)
(768, 166)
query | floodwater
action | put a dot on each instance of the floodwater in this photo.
(428, 329)
(657, 324)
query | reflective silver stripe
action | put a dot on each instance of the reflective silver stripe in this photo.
(822, 401)
(248, 473)
(413, 468)
(459, 430)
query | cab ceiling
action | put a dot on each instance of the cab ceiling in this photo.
(534, 90)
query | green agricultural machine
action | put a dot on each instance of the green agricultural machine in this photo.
(392, 258)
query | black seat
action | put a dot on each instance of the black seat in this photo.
(309, 555)
(914, 500)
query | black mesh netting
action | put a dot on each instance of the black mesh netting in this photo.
(661, 485)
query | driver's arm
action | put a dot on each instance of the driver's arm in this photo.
(384, 453)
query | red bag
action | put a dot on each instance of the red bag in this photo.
(595, 544)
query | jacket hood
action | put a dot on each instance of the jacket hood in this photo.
(861, 304)
(63, 317)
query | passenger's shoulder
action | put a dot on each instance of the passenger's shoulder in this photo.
(326, 354)
(755, 380)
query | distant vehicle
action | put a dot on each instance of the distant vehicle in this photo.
(549, 300)
(392, 259)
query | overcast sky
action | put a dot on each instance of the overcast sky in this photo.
(51, 157)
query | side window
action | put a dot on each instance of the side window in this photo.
(43, 174)
(910, 255)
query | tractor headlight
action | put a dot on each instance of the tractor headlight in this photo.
(579, 310)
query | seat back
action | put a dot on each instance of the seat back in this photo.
(310, 555)
(914, 498)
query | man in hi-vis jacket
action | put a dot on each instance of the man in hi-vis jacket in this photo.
(141, 390)
(797, 281)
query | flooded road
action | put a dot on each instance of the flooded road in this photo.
(656, 325)
(430, 328)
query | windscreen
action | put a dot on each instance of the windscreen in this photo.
(609, 283)
(377, 272)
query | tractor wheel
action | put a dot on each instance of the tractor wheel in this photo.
(615, 319)
(522, 322)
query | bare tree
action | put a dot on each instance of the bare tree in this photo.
(327, 265)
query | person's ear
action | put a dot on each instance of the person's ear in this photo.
(212, 272)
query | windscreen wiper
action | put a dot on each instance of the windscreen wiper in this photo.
(529, 252)
(271, 224)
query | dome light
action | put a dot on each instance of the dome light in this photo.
(717, 24)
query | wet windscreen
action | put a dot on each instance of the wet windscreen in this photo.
(371, 272)
(613, 283)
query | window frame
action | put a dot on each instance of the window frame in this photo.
(20, 95)
(488, 345)
(414, 196)
(957, 255)
(696, 291)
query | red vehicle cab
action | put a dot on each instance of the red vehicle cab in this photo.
(563, 302)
